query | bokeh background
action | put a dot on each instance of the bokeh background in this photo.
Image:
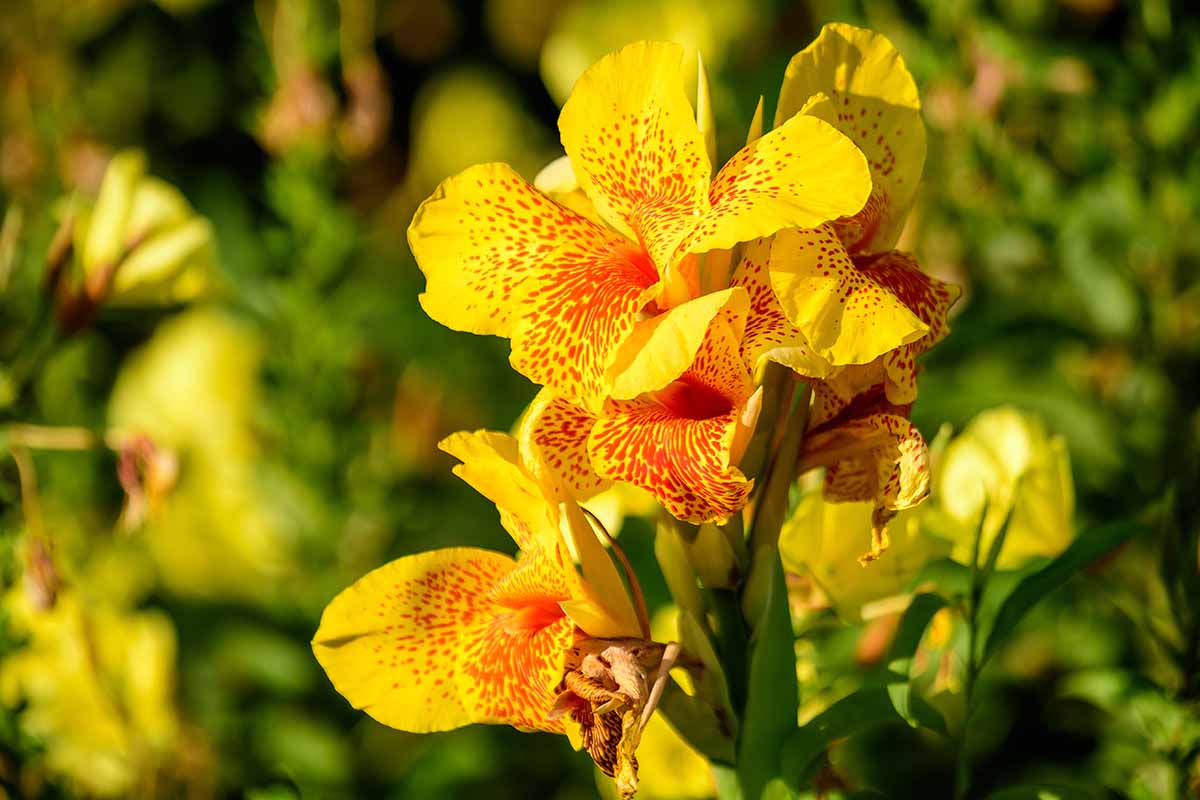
(160, 594)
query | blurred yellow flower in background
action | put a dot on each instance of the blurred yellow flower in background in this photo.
(193, 389)
(501, 128)
(97, 680)
(823, 540)
(1004, 461)
(586, 30)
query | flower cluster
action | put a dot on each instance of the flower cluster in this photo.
(648, 297)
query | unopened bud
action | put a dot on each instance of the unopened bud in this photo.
(105, 239)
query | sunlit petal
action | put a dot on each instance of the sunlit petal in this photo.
(633, 140)
(873, 100)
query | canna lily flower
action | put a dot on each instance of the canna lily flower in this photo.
(679, 418)
(1005, 467)
(854, 299)
(871, 452)
(94, 681)
(460, 635)
(502, 258)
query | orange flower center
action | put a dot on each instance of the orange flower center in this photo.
(692, 399)
(534, 615)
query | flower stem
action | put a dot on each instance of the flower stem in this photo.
(732, 643)
(962, 771)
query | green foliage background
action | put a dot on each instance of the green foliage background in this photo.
(1061, 189)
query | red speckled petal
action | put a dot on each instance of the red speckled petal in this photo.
(891, 469)
(391, 643)
(554, 435)
(481, 234)
(930, 300)
(510, 670)
(799, 175)
(768, 333)
(635, 146)
(846, 317)
(575, 314)
(869, 96)
(450, 637)
(677, 442)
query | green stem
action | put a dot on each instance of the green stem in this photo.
(36, 346)
(732, 643)
(962, 771)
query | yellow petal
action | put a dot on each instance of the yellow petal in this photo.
(769, 334)
(800, 175)
(756, 122)
(480, 235)
(876, 104)
(635, 146)
(554, 433)
(575, 315)
(509, 672)
(704, 110)
(845, 315)
(662, 348)
(151, 271)
(611, 610)
(553, 442)
(393, 643)
(678, 442)
(1005, 463)
(558, 182)
(824, 539)
(492, 466)
(106, 230)
(156, 205)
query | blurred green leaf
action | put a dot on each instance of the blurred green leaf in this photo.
(852, 714)
(904, 646)
(1083, 552)
(1042, 792)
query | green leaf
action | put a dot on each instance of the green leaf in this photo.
(850, 715)
(772, 699)
(993, 555)
(908, 637)
(1083, 552)
(1042, 791)
(704, 728)
(951, 578)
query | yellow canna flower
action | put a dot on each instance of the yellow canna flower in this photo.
(95, 683)
(456, 636)
(852, 297)
(1006, 462)
(681, 437)
(502, 258)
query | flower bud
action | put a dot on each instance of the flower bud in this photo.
(105, 239)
